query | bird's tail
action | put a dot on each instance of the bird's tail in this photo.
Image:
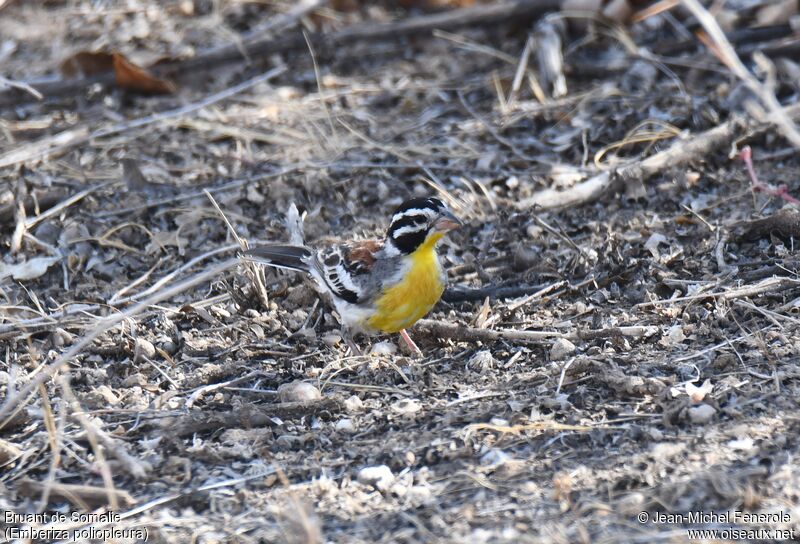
(282, 256)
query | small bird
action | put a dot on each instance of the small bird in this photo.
(377, 285)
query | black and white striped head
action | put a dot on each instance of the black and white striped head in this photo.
(420, 220)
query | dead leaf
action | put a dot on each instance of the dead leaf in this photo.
(28, 270)
(134, 78)
(87, 64)
(127, 75)
(697, 394)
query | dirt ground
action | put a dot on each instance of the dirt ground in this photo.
(668, 380)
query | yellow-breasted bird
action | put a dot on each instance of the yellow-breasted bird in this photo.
(377, 285)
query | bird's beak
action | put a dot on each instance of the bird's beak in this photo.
(447, 222)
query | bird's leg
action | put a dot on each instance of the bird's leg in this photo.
(410, 343)
(347, 336)
(746, 154)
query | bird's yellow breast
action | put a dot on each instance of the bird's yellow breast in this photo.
(402, 305)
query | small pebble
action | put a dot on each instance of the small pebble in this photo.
(701, 413)
(107, 394)
(383, 348)
(406, 407)
(380, 477)
(61, 338)
(298, 392)
(345, 425)
(353, 405)
(134, 379)
(144, 348)
(562, 348)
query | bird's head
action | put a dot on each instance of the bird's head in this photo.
(420, 221)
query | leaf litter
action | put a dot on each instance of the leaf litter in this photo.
(646, 355)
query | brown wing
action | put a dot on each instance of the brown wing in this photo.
(360, 256)
(342, 265)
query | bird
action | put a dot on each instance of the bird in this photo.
(377, 285)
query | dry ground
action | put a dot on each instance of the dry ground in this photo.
(495, 441)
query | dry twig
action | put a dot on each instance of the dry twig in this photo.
(679, 153)
(474, 334)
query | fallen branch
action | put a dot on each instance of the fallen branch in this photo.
(786, 268)
(474, 334)
(197, 394)
(679, 153)
(466, 294)
(785, 223)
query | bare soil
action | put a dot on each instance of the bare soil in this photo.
(486, 441)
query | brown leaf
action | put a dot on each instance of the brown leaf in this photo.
(127, 75)
(134, 78)
(87, 64)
